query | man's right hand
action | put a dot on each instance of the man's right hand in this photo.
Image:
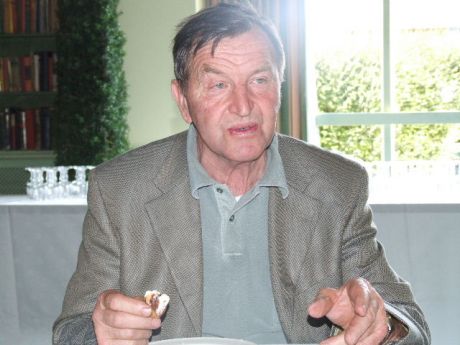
(119, 319)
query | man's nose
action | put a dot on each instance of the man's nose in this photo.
(241, 103)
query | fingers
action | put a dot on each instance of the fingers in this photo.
(367, 329)
(123, 342)
(337, 340)
(107, 335)
(360, 291)
(114, 300)
(117, 317)
(357, 308)
(323, 302)
(126, 334)
(352, 298)
(121, 320)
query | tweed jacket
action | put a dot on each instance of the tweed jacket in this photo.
(142, 231)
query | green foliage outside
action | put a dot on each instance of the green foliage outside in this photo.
(350, 86)
(91, 124)
(353, 84)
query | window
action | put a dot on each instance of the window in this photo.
(384, 82)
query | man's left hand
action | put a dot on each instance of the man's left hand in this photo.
(357, 308)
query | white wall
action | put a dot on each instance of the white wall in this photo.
(149, 26)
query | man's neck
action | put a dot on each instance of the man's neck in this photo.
(239, 177)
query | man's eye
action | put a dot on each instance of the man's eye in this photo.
(220, 85)
(260, 80)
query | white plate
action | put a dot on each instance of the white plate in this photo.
(202, 341)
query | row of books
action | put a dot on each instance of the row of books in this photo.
(25, 129)
(35, 72)
(28, 16)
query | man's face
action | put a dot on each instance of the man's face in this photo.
(232, 98)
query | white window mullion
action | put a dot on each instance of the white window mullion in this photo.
(387, 99)
(312, 110)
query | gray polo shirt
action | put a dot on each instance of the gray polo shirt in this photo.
(237, 298)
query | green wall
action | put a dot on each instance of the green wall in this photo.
(149, 26)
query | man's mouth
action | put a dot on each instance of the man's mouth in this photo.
(248, 129)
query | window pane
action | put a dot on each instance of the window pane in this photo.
(363, 142)
(345, 45)
(426, 43)
(346, 48)
(428, 142)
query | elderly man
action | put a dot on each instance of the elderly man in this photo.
(252, 234)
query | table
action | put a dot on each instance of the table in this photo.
(422, 243)
(39, 244)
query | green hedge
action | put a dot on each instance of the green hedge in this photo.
(91, 107)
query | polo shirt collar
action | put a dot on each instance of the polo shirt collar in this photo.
(274, 174)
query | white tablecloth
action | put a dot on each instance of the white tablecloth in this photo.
(422, 243)
(39, 244)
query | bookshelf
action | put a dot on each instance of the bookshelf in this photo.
(25, 43)
(27, 100)
(27, 88)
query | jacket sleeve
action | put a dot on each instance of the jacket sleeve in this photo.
(75, 330)
(97, 271)
(364, 256)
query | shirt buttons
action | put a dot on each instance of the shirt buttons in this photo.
(219, 190)
(232, 218)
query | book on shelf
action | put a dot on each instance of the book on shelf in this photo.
(2, 82)
(5, 129)
(43, 71)
(8, 16)
(34, 72)
(21, 10)
(21, 135)
(38, 131)
(28, 16)
(15, 76)
(12, 128)
(26, 63)
(2, 16)
(25, 129)
(30, 129)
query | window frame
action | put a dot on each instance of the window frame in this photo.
(387, 117)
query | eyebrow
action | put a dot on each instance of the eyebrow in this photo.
(210, 69)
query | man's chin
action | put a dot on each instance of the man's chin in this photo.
(245, 155)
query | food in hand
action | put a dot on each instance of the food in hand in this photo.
(158, 301)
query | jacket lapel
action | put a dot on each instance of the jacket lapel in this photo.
(291, 225)
(291, 228)
(180, 234)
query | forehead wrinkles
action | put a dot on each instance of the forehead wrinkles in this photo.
(226, 61)
(245, 49)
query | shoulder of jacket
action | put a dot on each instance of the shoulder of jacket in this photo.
(308, 167)
(147, 157)
(132, 171)
(307, 156)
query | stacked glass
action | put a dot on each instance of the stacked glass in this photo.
(47, 183)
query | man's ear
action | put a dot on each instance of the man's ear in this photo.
(181, 100)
